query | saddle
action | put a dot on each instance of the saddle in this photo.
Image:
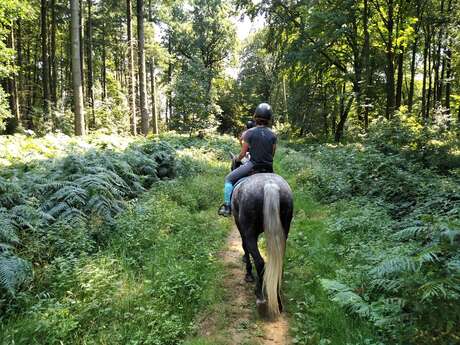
(261, 168)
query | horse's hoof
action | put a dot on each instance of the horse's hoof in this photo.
(249, 278)
(262, 309)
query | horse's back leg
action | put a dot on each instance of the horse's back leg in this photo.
(249, 278)
(251, 242)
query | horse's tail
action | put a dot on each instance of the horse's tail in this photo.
(276, 243)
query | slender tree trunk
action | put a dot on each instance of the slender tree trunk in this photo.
(89, 56)
(344, 109)
(20, 82)
(430, 89)
(10, 87)
(104, 65)
(390, 83)
(153, 91)
(448, 77)
(141, 66)
(44, 42)
(76, 70)
(425, 71)
(132, 79)
(53, 79)
(169, 94)
(366, 54)
(410, 100)
(399, 83)
(437, 64)
(82, 46)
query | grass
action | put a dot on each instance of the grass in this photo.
(147, 286)
(311, 255)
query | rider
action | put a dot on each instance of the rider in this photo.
(260, 141)
(250, 124)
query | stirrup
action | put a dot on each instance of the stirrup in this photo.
(225, 210)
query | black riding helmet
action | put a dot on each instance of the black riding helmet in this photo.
(264, 111)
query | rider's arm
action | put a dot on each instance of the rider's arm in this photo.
(244, 150)
(274, 149)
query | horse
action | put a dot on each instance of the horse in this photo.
(263, 203)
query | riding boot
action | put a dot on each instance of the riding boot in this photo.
(225, 210)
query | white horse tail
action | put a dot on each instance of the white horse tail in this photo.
(276, 244)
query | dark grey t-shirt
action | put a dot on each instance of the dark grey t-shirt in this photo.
(260, 141)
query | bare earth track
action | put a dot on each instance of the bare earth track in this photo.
(241, 325)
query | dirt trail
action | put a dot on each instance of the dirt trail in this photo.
(241, 325)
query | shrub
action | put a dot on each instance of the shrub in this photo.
(395, 220)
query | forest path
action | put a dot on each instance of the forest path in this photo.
(236, 321)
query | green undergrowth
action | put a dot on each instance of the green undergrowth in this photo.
(373, 253)
(147, 281)
(311, 256)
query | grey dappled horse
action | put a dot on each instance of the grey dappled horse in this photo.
(263, 202)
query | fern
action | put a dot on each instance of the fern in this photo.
(394, 266)
(345, 297)
(444, 288)
(14, 271)
(412, 232)
(10, 193)
(7, 228)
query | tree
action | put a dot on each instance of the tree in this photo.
(202, 39)
(132, 79)
(45, 67)
(76, 69)
(141, 66)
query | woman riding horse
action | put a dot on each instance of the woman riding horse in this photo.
(260, 141)
(261, 203)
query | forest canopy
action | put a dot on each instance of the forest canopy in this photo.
(329, 68)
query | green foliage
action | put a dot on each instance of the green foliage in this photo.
(433, 146)
(85, 190)
(156, 273)
(202, 38)
(5, 112)
(195, 102)
(394, 229)
(14, 271)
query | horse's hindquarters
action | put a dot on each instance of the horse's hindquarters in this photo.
(264, 203)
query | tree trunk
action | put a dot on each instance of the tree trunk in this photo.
(10, 87)
(410, 101)
(169, 94)
(104, 65)
(366, 54)
(82, 45)
(399, 83)
(437, 64)
(344, 109)
(390, 70)
(448, 77)
(132, 78)
(76, 70)
(89, 56)
(53, 65)
(44, 41)
(425, 71)
(141, 66)
(20, 82)
(430, 90)
(153, 87)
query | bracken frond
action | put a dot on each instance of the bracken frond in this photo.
(14, 271)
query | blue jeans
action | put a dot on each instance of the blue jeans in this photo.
(233, 177)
